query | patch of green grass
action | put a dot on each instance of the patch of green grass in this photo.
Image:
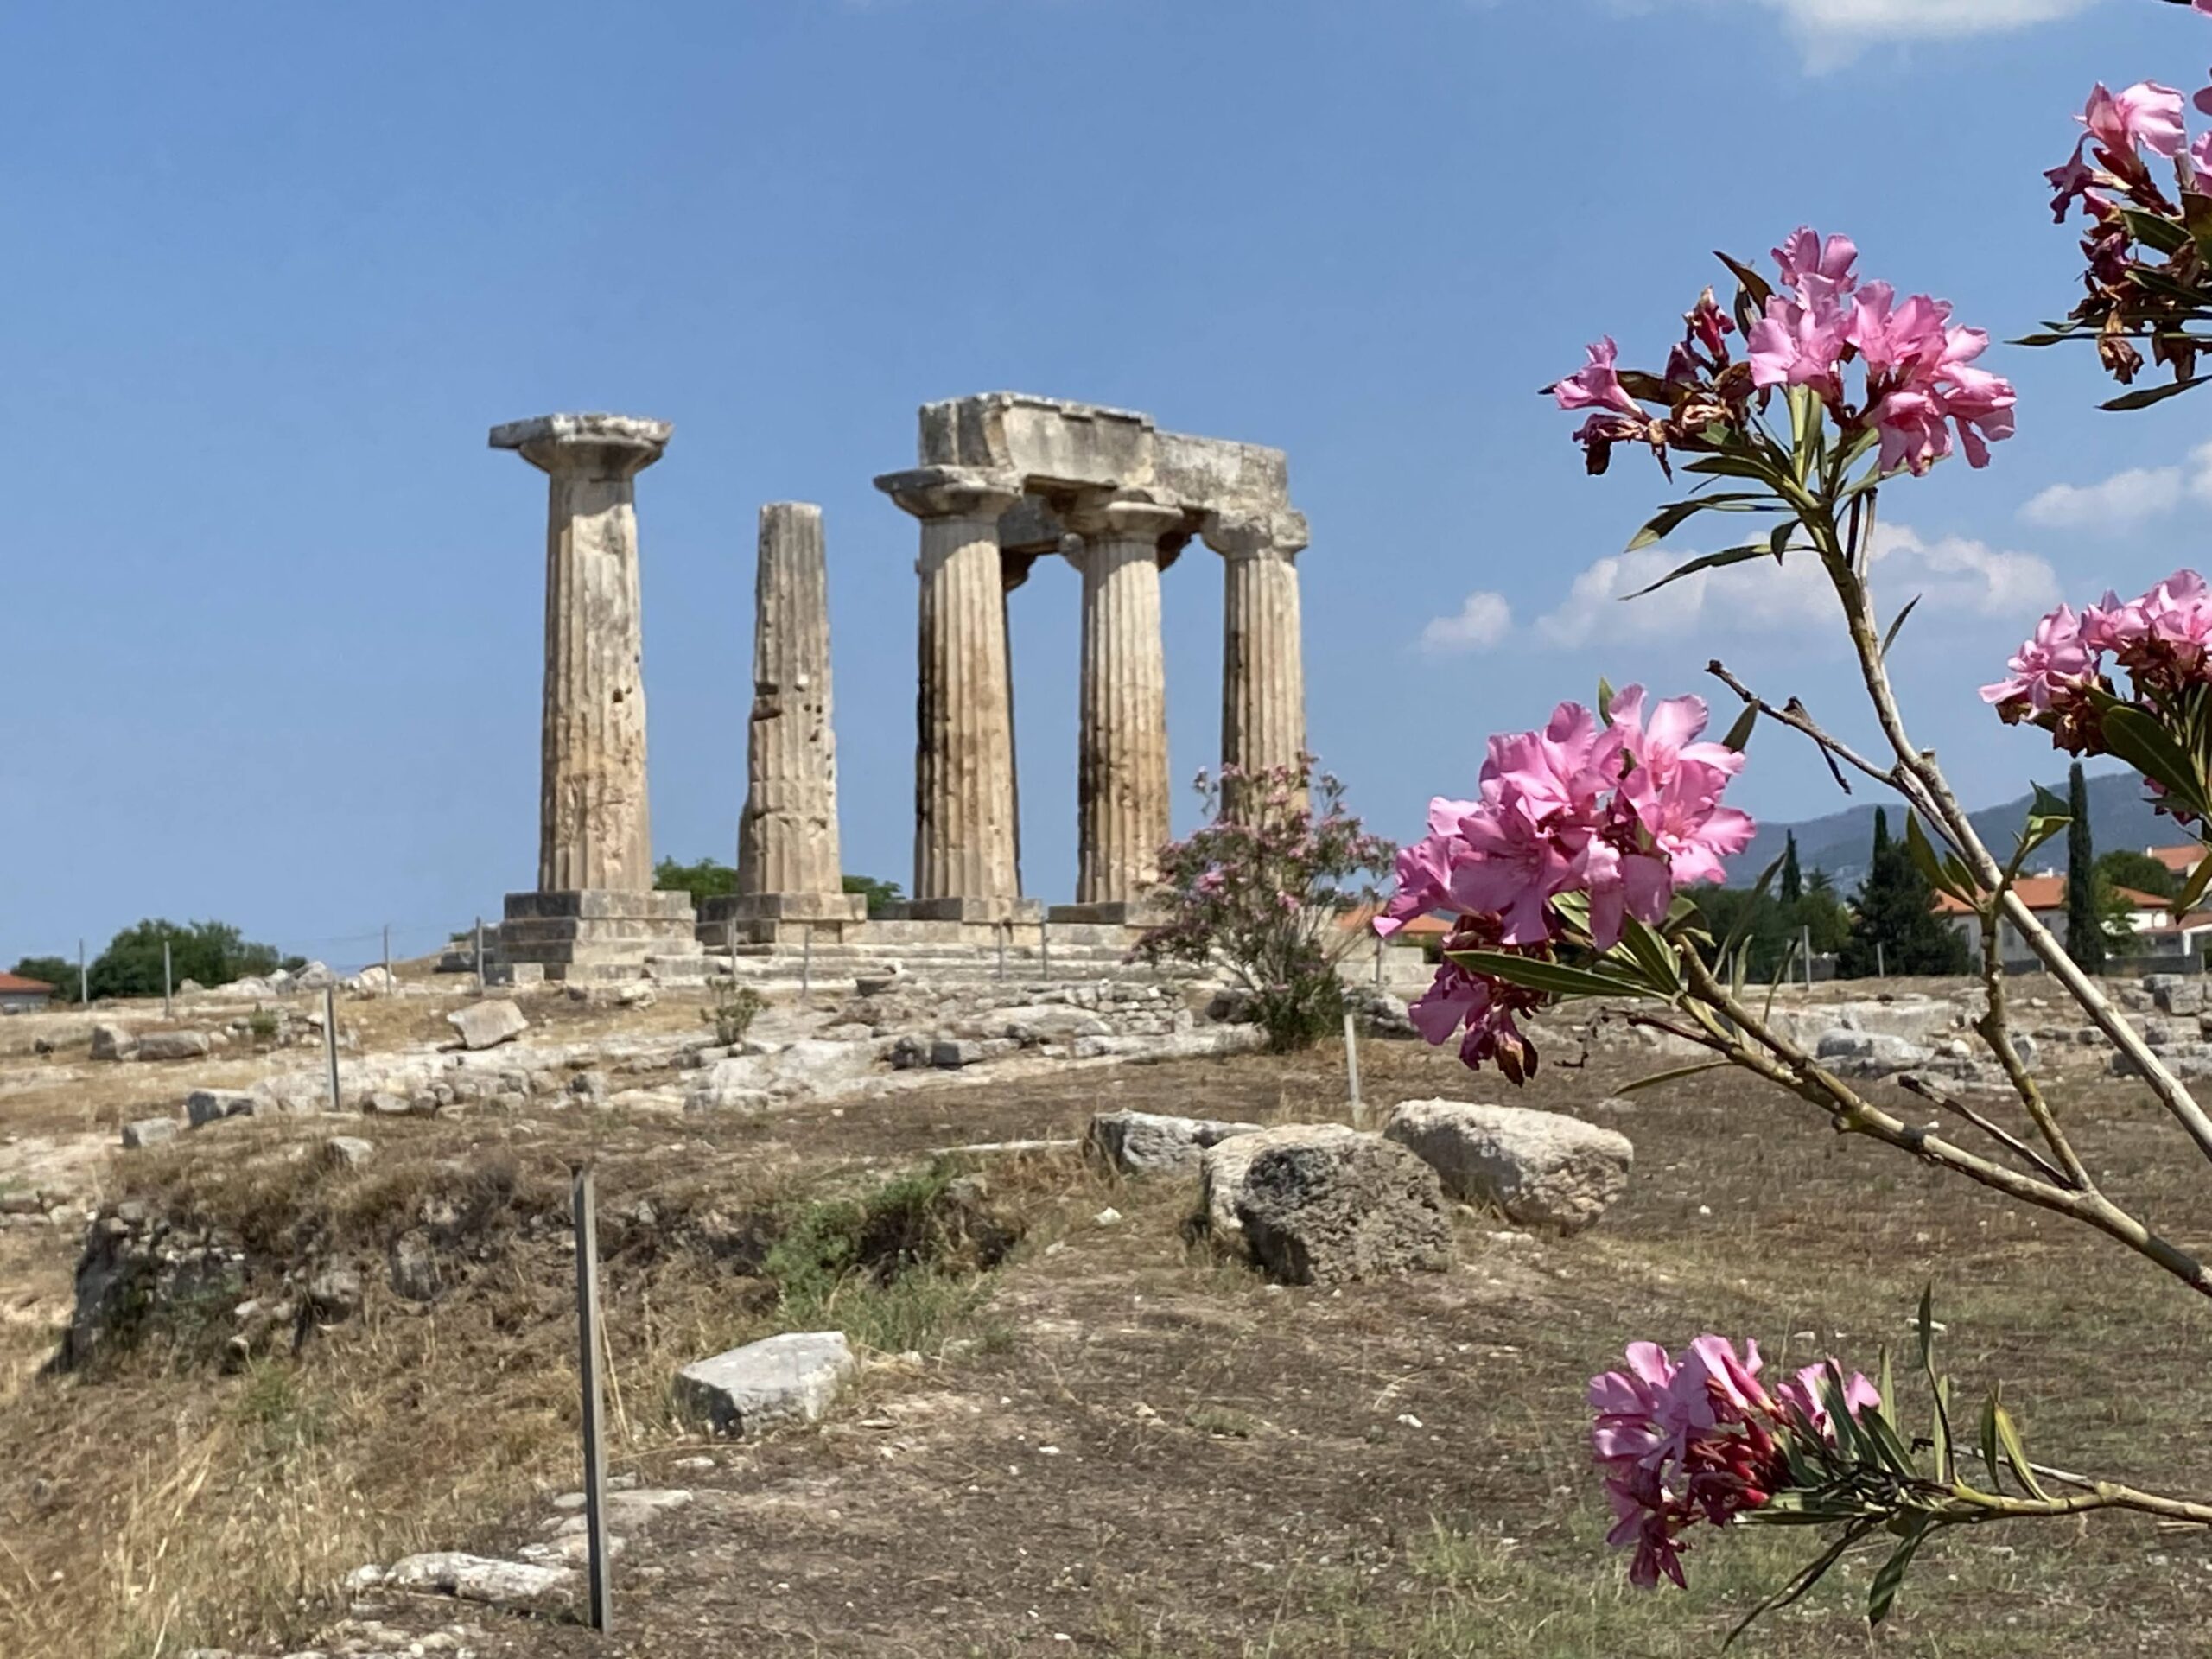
(287, 1414)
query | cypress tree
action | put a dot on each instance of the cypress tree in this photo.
(2085, 936)
(1792, 888)
(1896, 927)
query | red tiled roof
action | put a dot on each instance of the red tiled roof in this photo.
(2041, 892)
(17, 983)
(1421, 927)
(2180, 860)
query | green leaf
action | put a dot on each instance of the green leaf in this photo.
(1989, 1410)
(1752, 292)
(1944, 875)
(1739, 735)
(1644, 388)
(1604, 695)
(1652, 954)
(1805, 1580)
(2193, 889)
(2143, 397)
(1925, 1323)
(2049, 338)
(1883, 1593)
(1706, 562)
(1777, 539)
(1939, 1432)
(1556, 978)
(1735, 466)
(2046, 817)
(2141, 741)
(2154, 230)
(1890, 638)
(1805, 432)
(2016, 1452)
(1675, 1075)
(1670, 518)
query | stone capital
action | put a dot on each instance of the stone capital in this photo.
(605, 446)
(1236, 536)
(1120, 516)
(952, 492)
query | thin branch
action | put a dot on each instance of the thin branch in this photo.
(1996, 1132)
(1794, 716)
(1995, 1028)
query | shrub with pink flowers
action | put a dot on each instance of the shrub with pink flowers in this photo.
(1572, 869)
(1267, 888)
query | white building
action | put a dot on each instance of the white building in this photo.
(21, 995)
(2160, 932)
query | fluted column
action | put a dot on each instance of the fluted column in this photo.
(594, 828)
(1263, 672)
(964, 866)
(1121, 777)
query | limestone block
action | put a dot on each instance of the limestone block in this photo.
(147, 1132)
(1542, 1169)
(173, 1045)
(1321, 1203)
(205, 1106)
(794, 1375)
(488, 1023)
(1150, 1143)
(480, 1579)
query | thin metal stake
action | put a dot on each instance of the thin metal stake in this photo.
(390, 984)
(1806, 934)
(1352, 1069)
(480, 953)
(165, 979)
(330, 1040)
(1001, 930)
(806, 969)
(84, 980)
(586, 1220)
(1045, 948)
(1378, 960)
(1881, 969)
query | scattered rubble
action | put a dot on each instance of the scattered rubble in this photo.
(1146, 1143)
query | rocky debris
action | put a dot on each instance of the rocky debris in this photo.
(476, 1577)
(1541, 1169)
(589, 1085)
(174, 1046)
(113, 1042)
(951, 1054)
(135, 1266)
(335, 1295)
(1326, 1208)
(147, 1132)
(314, 976)
(412, 1264)
(1383, 1015)
(374, 981)
(1148, 1143)
(2175, 993)
(1868, 1053)
(793, 1375)
(189, 988)
(205, 1106)
(347, 1151)
(488, 1024)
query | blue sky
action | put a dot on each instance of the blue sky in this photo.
(272, 611)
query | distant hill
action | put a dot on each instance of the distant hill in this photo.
(2119, 817)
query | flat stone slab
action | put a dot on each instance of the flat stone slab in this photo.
(173, 1045)
(488, 1023)
(205, 1106)
(634, 431)
(147, 1132)
(794, 1375)
(480, 1578)
(1151, 1143)
(113, 1042)
(1542, 1169)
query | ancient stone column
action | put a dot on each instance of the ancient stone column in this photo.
(1121, 777)
(594, 903)
(1263, 672)
(964, 865)
(788, 867)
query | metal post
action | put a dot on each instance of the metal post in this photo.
(1805, 935)
(1001, 931)
(1378, 962)
(389, 983)
(587, 1223)
(1045, 949)
(805, 968)
(1352, 1068)
(165, 979)
(84, 980)
(480, 953)
(330, 1041)
(1881, 969)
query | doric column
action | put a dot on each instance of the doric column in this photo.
(1121, 777)
(964, 866)
(1263, 672)
(594, 829)
(788, 867)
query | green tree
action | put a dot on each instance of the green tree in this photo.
(1824, 914)
(706, 878)
(2085, 928)
(1791, 888)
(51, 970)
(214, 953)
(1895, 929)
(2139, 872)
(881, 895)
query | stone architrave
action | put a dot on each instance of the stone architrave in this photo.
(788, 867)
(594, 904)
(1263, 671)
(1122, 769)
(964, 865)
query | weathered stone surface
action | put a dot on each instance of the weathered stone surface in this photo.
(1222, 1166)
(1542, 1169)
(593, 827)
(349, 1151)
(205, 1106)
(488, 1023)
(478, 1578)
(147, 1132)
(1148, 1143)
(173, 1045)
(1868, 1053)
(335, 1295)
(412, 1266)
(793, 1375)
(1263, 674)
(1318, 1203)
(2176, 995)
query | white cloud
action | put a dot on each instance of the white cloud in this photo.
(1843, 21)
(1953, 574)
(1484, 620)
(2126, 498)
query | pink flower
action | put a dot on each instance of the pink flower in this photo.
(1818, 272)
(2200, 157)
(2145, 116)
(1514, 868)
(2054, 661)
(1596, 385)
(1791, 346)
(1671, 738)
(2071, 179)
(1981, 405)
(1807, 1393)
(1913, 432)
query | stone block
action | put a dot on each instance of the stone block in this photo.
(1149, 1143)
(796, 1376)
(205, 1106)
(173, 1045)
(1542, 1169)
(113, 1042)
(347, 1151)
(1320, 1204)
(147, 1132)
(488, 1023)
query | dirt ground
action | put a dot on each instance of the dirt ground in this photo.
(1119, 1443)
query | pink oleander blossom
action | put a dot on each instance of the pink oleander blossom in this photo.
(1702, 1440)
(1596, 385)
(2146, 116)
(2052, 663)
